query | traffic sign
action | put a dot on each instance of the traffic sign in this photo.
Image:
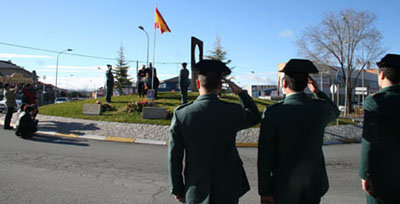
(361, 88)
(362, 93)
(333, 88)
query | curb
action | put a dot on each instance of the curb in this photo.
(117, 139)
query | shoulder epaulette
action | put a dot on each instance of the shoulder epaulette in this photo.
(183, 105)
(275, 105)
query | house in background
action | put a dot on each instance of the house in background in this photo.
(171, 84)
(257, 91)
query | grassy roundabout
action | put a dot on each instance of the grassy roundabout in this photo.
(167, 100)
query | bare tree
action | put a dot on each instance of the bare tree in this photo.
(348, 40)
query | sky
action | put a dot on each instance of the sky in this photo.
(257, 34)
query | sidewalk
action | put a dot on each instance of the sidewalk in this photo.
(158, 134)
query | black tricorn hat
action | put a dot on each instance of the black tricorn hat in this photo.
(299, 66)
(390, 61)
(216, 66)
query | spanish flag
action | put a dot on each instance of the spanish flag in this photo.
(160, 23)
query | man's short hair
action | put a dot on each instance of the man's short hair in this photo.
(392, 74)
(184, 64)
(210, 80)
(6, 85)
(296, 81)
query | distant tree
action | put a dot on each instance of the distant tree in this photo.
(218, 53)
(348, 40)
(121, 71)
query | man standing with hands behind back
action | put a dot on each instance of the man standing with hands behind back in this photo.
(204, 132)
(184, 82)
(291, 165)
(110, 83)
(380, 149)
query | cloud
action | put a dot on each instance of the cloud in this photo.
(10, 56)
(77, 83)
(268, 78)
(286, 34)
(74, 67)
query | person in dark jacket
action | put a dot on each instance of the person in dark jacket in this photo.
(204, 133)
(109, 84)
(380, 149)
(291, 165)
(184, 82)
(141, 76)
(26, 125)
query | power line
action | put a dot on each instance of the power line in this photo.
(77, 54)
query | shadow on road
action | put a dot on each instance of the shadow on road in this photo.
(58, 140)
(66, 127)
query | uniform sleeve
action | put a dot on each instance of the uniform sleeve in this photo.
(180, 77)
(370, 126)
(266, 154)
(334, 111)
(370, 133)
(251, 114)
(364, 160)
(175, 158)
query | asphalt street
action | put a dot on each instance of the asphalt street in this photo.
(60, 170)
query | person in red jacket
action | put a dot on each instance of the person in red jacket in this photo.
(29, 98)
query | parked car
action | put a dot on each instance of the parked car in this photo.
(61, 100)
(3, 107)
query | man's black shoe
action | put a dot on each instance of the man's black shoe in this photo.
(9, 128)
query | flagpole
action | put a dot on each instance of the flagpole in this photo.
(154, 57)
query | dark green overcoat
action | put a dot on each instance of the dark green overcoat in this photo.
(204, 133)
(380, 150)
(291, 165)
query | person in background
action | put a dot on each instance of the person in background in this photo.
(184, 82)
(380, 148)
(11, 104)
(29, 98)
(26, 125)
(110, 83)
(149, 76)
(141, 76)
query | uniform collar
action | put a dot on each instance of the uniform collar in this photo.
(295, 96)
(209, 96)
(391, 88)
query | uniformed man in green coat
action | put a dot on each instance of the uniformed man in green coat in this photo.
(184, 82)
(204, 133)
(291, 165)
(109, 84)
(380, 149)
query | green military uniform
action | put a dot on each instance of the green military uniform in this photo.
(291, 164)
(380, 161)
(204, 132)
(184, 84)
(110, 85)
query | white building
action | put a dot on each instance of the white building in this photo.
(327, 77)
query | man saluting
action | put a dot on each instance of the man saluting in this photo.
(291, 166)
(204, 132)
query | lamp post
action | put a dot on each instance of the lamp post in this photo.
(148, 41)
(58, 57)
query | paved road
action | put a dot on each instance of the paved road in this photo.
(59, 170)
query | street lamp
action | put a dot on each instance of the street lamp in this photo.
(141, 28)
(58, 56)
